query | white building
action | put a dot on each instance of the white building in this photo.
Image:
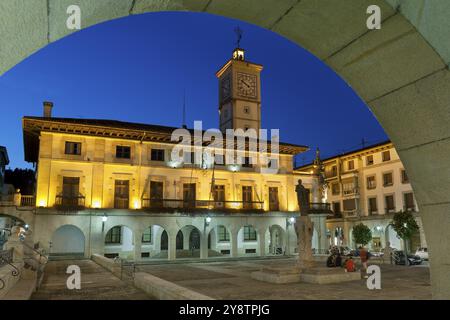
(368, 185)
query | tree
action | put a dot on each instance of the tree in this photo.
(405, 225)
(362, 234)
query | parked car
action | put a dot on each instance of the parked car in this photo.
(412, 258)
(423, 253)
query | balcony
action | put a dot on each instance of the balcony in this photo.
(350, 191)
(389, 210)
(319, 207)
(409, 209)
(173, 205)
(67, 203)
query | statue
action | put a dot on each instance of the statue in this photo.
(302, 197)
(304, 228)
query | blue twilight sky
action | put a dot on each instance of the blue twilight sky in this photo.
(137, 68)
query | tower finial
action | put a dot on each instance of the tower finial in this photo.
(239, 33)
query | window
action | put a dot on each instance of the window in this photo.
(409, 201)
(71, 192)
(73, 148)
(387, 179)
(335, 189)
(247, 196)
(219, 196)
(249, 233)
(351, 165)
(147, 235)
(246, 109)
(223, 234)
(336, 207)
(273, 199)
(405, 178)
(189, 195)
(348, 187)
(373, 208)
(349, 204)
(246, 162)
(114, 235)
(123, 152)
(157, 155)
(369, 160)
(390, 204)
(121, 194)
(189, 157)
(386, 156)
(371, 182)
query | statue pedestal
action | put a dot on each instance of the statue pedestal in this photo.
(317, 275)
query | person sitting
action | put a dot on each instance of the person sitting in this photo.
(350, 265)
(338, 261)
(330, 261)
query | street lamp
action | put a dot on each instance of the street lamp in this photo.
(104, 219)
(207, 221)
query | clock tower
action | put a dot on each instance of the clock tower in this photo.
(239, 93)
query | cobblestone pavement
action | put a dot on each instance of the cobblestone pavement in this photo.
(97, 283)
(231, 280)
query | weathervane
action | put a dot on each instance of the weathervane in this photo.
(239, 33)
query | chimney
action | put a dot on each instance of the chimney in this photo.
(48, 109)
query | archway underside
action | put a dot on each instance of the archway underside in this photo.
(400, 71)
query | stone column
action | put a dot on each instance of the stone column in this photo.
(233, 243)
(172, 247)
(17, 198)
(320, 225)
(137, 245)
(262, 242)
(204, 245)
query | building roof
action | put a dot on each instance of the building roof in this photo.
(33, 126)
(340, 155)
(4, 155)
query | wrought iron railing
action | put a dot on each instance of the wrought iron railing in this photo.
(70, 202)
(201, 204)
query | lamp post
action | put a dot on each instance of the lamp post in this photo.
(104, 219)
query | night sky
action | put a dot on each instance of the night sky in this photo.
(138, 68)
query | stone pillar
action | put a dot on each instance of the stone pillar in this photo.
(320, 225)
(137, 245)
(233, 243)
(17, 198)
(186, 234)
(172, 248)
(204, 245)
(262, 242)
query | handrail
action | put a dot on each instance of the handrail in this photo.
(6, 258)
(196, 203)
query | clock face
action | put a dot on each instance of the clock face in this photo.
(246, 85)
(226, 87)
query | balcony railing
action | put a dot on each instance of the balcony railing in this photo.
(350, 191)
(69, 202)
(319, 207)
(157, 204)
(389, 210)
(27, 201)
(409, 209)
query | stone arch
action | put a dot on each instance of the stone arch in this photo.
(151, 241)
(366, 60)
(68, 240)
(119, 241)
(192, 241)
(275, 240)
(219, 240)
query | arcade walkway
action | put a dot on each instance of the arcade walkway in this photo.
(96, 284)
